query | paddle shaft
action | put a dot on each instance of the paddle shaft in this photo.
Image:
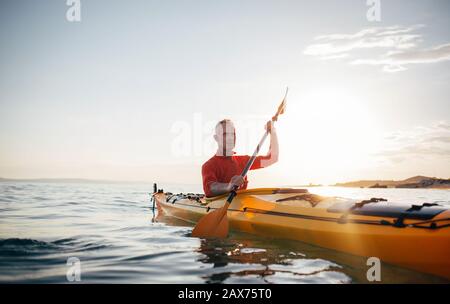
(247, 167)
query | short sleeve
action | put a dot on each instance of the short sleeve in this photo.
(209, 176)
(259, 161)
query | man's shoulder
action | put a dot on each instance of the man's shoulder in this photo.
(241, 158)
(209, 162)
(213, 161)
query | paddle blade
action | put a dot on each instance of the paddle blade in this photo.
(281, 107)
(212, 225)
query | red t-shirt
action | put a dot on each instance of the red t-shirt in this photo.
(221, 169)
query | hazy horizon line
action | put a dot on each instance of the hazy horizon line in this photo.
(90, 180)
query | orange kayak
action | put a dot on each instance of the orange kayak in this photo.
(415, 237)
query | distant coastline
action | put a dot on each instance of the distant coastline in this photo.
(310, 185)
(415, 182)
(68, 181)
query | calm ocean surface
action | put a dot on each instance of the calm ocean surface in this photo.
(112, 230)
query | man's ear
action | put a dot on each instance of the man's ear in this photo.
(215, 137)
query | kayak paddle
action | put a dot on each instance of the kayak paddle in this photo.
(215, 223)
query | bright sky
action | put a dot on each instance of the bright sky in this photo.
(132, 92)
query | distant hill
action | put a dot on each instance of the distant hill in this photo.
(417, 179)
(412, 182)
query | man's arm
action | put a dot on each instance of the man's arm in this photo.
(217, 188)
(272, 155)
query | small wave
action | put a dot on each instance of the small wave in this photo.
(19, 247)
(50, 216)
(20, 242)
(91, 246)
(15, 188)
(79, 244)
(150, 256)
(306, 266)
(66, 241)
(25, 247)
(8, 198)
(41, 198)
(124, 201)
(130, 229)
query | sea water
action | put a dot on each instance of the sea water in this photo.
(115, 235)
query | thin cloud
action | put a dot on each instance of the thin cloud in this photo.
(395, 61)
(387, 42)
(416, 150)
(422, 142)
(443, 125)
(391, 68)
(376, 37)
(438, 139)
(338, 56)
(371, 32)
(400, 45)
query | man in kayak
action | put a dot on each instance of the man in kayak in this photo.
(222, 171)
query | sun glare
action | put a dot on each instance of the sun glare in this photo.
(330, 133)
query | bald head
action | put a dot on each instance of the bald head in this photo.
(225, 136)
